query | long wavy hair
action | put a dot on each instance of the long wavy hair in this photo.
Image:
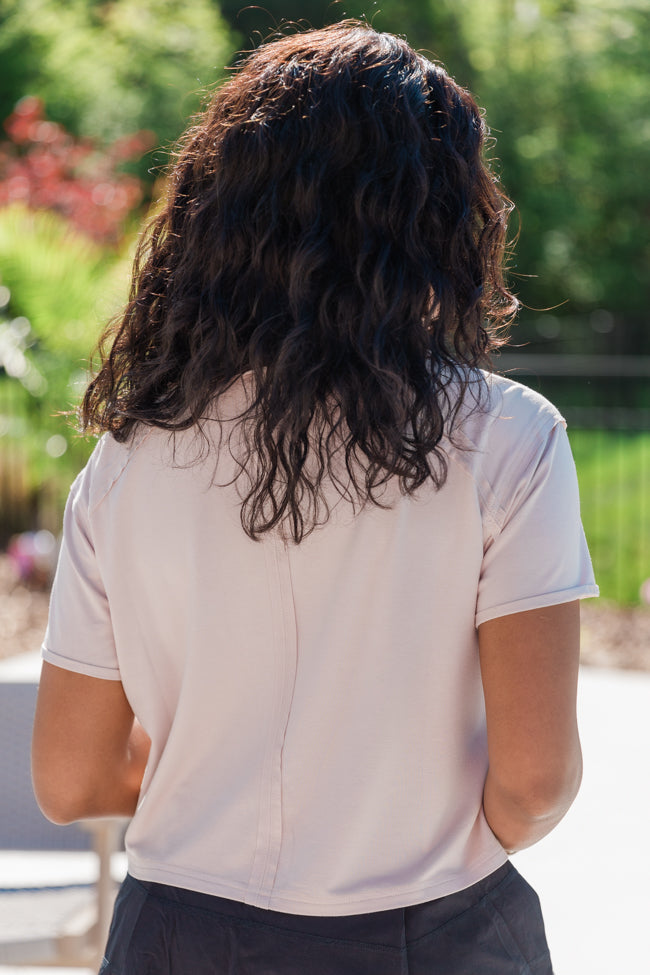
(331, 228)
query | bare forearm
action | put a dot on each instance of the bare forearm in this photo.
(518, 820)
(529, 669)
(110, 788)
(88, 751)
(116, 791)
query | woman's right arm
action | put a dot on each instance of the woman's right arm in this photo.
(529, 668)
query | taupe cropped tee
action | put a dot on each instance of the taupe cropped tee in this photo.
(316, 711)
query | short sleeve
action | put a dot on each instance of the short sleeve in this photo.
(536, 554)
(79, 634)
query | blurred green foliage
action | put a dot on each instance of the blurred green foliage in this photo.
(107, 69)
(564, 84)
(104, 71)
(613, 471)
(60, 285)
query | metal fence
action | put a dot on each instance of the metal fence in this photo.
(593, 392)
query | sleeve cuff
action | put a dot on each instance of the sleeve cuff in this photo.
(536, 602)
(79, 667)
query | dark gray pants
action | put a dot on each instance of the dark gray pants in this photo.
(494, 927)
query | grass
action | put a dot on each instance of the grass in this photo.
(614, 475)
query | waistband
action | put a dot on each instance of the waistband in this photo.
(385, 929)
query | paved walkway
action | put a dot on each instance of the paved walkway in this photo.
(592, 873)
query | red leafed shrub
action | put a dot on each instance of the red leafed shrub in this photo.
(46, 168)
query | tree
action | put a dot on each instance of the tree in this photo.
(563, 82)
(107, 69)
(564, 85)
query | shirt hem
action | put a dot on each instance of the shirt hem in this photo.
(537, 602)
(89, 670)
(334, 907)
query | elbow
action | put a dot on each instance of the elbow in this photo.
(547, 800)
(59, 816)
(546, 793)
(62, 795)
(61, 808)
(523, 809)
(559, 786)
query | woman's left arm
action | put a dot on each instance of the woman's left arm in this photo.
(88, 751)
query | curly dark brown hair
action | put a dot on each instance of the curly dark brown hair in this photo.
(331, 228)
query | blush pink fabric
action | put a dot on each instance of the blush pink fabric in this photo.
(316, 711)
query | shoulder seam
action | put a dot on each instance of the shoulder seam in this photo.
(494, 511)
(118, 474)
(543, 429)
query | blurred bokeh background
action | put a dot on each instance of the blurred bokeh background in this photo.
(93, 95)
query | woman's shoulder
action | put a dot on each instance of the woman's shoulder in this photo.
(511, 398)
(107, 463)
(503, 431)
(498, 411)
